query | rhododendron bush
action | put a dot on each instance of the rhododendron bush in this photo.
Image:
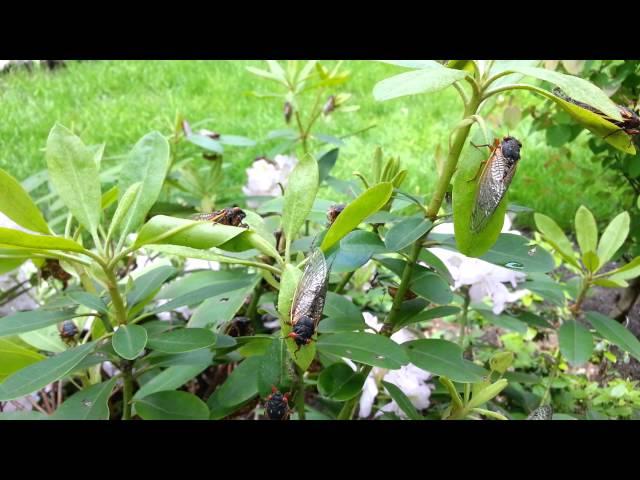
(152, 291)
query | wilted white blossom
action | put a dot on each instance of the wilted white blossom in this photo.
(409, 378)
(264, 176)
(483, 278)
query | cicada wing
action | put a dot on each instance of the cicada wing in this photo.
(312, 289)
(541, 413)
(209, 217)
(493, 184)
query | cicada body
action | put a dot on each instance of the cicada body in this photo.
(231, 216)
(541, 413)
(68, 330)
(333, 212)
(53, 269)
(308, 301)
(277, 405)
(630, 123)
(494, 181)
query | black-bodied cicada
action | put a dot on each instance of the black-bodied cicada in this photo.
(494, 180)
(630, 123)
(544, 412)
(277, 405)
(68, 331)
(231, 216)
(308, 301)
(334, 211)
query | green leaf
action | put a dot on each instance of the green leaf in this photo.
(403, 401)
(273, 370)
(326, 163)
(74, 175)
(183, 340)
(124, 206)
(32, 320)
(236, 141)
(16, 204)
(465, 186)
(556, 237)
(424, 315)
(615, 333)
(613, 237)
(575, 87)
(148, 283)
(430, 285)
(340, 382)
(576, 342)
(514, 252)
(443, 358)
(222, 307)
(40, 374)
(15, 355)
(290, 278)
(23, 415)
(501, 361)
(89, 300)
(370, 349)
(406, 232)
(147, 163)
(129, 341)
(172, 405)
(171, 378)
(16, 238)
(88, 404)
(366, 204)
(487, 393)
(188, 233)
(591, 261)
(109, 197)
(206, 142)
(302, 187)
(504, 321)
(586, 230)
(426, 80)
(241, 385)
(628, 271)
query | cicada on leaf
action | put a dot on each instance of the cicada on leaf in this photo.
(309, 298)
(630, 123)
(494, 179)
(231, 216)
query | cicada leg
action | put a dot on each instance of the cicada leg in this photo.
(475, 177)
(612, 133)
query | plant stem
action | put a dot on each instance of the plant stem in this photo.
(556, 369)
(348, 409)
(300, 393)
(116, 298)
(127, 392)
(584, 289)
(404, 282)
(252, 309)
(343, 283)
(463, 318)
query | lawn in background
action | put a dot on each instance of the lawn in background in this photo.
(117, 102)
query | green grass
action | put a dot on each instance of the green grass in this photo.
(117, 102)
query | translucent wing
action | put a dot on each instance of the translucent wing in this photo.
(312, 289)
(494, 181)
(541, 413)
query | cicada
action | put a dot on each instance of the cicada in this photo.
(277, 405)
(53, 269)
(68, 331)
(541, 413)
(231, 216)
(308, 301)
(630, 123)
(334, 211)
(494, 181)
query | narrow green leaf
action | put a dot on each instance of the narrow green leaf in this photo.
(340, 382)
(74, 175)
(242, 384)
(556, 237)
(365, 205)
(428, 79)
(576, 342)
(443, 358)
(171, 378)
(147, 164)
(16, 355)
(403, 401)
(124, 206)
(89, 300)
(586, 230)
(129, 341)
(615, 333)
(487, 393)
(414, 63)
(88, 404)
(38, 375)
(628, 271)
(302, 187)
(149, 282)
(183, 340)
(16, 204)
(406, 232)
(613, 237)
(32, 320)
(172, 405)
(370, 349)
(16, 238)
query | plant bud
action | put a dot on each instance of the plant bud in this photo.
(329, 106)
(288, 111)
